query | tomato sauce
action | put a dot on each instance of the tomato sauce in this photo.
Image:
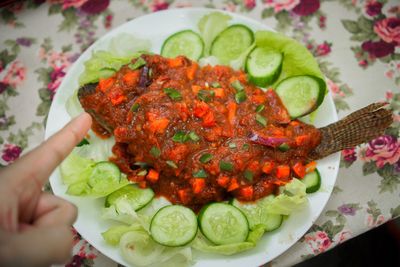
(199, 134)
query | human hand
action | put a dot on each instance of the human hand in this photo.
(34, 225)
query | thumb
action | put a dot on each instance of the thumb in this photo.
(37, 247)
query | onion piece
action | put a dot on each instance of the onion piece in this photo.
(270, 141)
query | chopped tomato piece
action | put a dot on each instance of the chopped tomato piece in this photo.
(198, 185)
(232, 106)
(175, 62)
(299, 169)
(268, 167)
(142, 184)
(184, 196)
(196, 89)
(105, 83)
(200, 109)
(120, 131)
(191, 71)
(258, 99)
(282, 171)
(233, 185)
(301, 139)
(150, 116)
(153, 176)
(159, 125)
(208, 119)
(219, 92)
(117, 98)
(246, 192)
(223, 181)
(310, 167)
(130, 78)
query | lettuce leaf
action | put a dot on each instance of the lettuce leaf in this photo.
(210, 26)
(122, 49)
(297, 59)
(113, 235)
(202, 244)
(292, 197)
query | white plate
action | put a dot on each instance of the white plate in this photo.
(157, 27)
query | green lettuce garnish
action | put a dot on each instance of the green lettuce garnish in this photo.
(210, 26)
(297, 60)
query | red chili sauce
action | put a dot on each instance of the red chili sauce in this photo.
(193, 133)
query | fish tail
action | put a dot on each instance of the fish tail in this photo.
(358, 127)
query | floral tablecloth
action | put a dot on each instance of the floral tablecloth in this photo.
(356, 42)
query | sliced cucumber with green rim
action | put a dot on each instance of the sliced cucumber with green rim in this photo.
(184, 43)
(312, 181)
(104, 175)
(174, 226)
(264, 66)
(256, 214)
(301, 94)
(131, 195)
(223, 224)
(231, 43)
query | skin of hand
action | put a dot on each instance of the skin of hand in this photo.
(34, 225)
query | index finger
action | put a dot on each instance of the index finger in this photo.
(40, 162)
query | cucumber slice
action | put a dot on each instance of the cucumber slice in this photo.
(174, 226)
(231, 43)
(185, 43)
(104, 175)
(256, 214)
(264, 66)
(312, 181)
(130, 195)
(301, 94)
(223, 224)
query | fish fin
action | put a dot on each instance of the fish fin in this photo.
(356, 128)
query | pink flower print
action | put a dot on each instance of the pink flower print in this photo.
(323, 49)
(16, 74)
(349, 155)
(378, 49)
(383, 150)
(159, 5)
(334, 88)
(11, 152)
(73, 3)
(373, 8)
(250, 4)
(56, 79)
(318, 241)
(389, 95)
(388, 30)
(306, 7)
(374, 223)
(279, 5)
(93, 7)
(108, 20)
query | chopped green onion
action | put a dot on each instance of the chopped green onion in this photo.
(135, 107)
(155, 151)
(248, 175)
(232, 145)
(140, 62)
(173, 93)
(240, 97)
(200, 174)
(246, 147)
(284, 147)
(260, 108)
(83, 142)
(205, 95)
(225, 166)
(215, 85)
(180, 137)
(261, 120)
(206, 158)
(172, 164)
(237, 85)
(142, 173)
(143, 165)
(194, 137)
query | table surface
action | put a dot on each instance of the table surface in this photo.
(357, 44)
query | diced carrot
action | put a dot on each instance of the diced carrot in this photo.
(130, 78)
(198, 185)
(183, 196)
(268, 167)
(150, 116)
(258, 99)
(299, 169)
(200, 109)
(152, 176)
(175, 62)
(219, 92)
(196, 89)
(233, 185)
(282, 171)
(232, 106)
(310, 167)
(223, 181)
(183, 111)
(105, 83)
(246, 192)
(142, 184)
(117, 99)
(159, 125)
(242, 77)
(280, 182)
(209, 119)
(294, 123)
(191, 71)
(254, 166)
(301, 139)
